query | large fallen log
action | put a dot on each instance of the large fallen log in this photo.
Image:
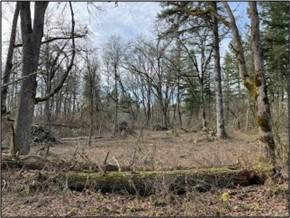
(78, 176)
(148, 182)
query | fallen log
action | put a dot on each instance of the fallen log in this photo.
(148, 182)
(81, 138)
(34, 162)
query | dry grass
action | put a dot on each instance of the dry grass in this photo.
(162, 150)
(268, 200)
(159, 150)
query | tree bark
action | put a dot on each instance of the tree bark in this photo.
(203, 108)
(9, 60)
(257, 89)
(263, 107)
(48, 84)
(148, 103)
(31, 37)
(239, 51)
(116, 101)
(221, 133)
(288, 99)
(178, 81)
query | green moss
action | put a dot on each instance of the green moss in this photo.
(263, 166)
(148, 182)
(26, 191)
(251, 88)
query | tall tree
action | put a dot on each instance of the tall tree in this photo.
(274, 35)
(221, 132)
(113, 52)
(9, 59)
(32, 33)
(288, 86)
(257, 88)
(91, 92)
(263, 112)
(31, 36)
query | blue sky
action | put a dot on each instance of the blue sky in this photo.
(127, 19)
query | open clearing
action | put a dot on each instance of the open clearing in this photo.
(160, 151)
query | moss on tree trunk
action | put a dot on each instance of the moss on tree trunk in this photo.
(178, 181)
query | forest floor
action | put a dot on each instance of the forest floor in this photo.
(159, 150)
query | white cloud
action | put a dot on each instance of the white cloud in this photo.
(127, 19)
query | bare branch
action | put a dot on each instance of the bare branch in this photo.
(62, 80)
(51, 39)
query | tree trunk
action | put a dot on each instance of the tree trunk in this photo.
(9, 60)
(92, 104)
(227, 101)
(48, 85)
(148, 105)
(116, 102)
(178, 81)
(31, 37)
(248, 113)
(288, 100)
(263, 107)
(221, 133)
(203, 113)
(257, 89)
(239, 51)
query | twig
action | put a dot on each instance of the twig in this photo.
(105, 161)
(117, 163)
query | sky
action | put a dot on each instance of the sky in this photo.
(126, 19)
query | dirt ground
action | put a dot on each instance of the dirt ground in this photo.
(157, 150)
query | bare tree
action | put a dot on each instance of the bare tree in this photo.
(31, 37)
(151, 64)
(263, 110)
(32, 34)
(91, 92)
(257, 88)
(221, 133)
(200, 54)
(9, 60)
(112, 58)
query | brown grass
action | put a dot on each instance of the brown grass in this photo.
(159, 150)
(162, 150)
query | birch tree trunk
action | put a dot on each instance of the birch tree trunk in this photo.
(31, 37)
(221, 133)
